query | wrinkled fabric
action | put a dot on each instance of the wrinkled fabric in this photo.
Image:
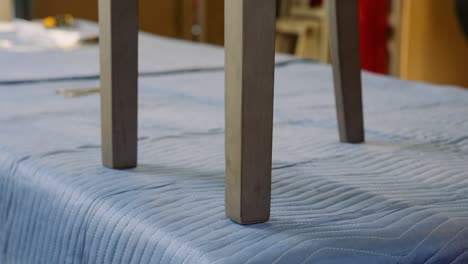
(401, 197)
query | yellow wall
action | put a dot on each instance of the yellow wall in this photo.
(433, 47)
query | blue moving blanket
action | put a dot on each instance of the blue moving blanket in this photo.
(402, 197)
(156, 55)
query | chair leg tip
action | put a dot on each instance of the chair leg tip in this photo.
(243, 220)
(353, 141)
(120, 166)
(356, 138)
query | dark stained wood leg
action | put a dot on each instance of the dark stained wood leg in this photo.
(250, 46)
(344, 26)
(118, 20)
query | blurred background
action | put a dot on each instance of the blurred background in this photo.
(409, 39)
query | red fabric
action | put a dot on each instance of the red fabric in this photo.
(373, 26)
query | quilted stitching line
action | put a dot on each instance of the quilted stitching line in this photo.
(448, 243)
(348, 250)
(459, 257)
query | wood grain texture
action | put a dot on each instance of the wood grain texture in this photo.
(118, 21)
(250, 46)
(344, 26)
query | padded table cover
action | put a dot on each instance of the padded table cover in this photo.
(401, 197)
(157, 55)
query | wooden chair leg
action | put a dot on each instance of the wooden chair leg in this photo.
(344, 25)
(250, 38)
(118, 20)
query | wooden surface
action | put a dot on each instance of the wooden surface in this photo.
(394, 42)
(87, 9)
(344, 28)
(433, 47)
(6, 10)
(311, 43)
(119, 82)
(325, 33)
(303, 32)
(212, 21)
(162, 17)
(186, 21)
(250, 38)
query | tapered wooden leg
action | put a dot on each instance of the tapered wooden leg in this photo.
(344, 25)
(250, 46)
(118, 20)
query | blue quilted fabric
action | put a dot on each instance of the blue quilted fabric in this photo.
(157, 55)
(401, 197)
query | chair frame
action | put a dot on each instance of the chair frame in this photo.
(249, 90)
